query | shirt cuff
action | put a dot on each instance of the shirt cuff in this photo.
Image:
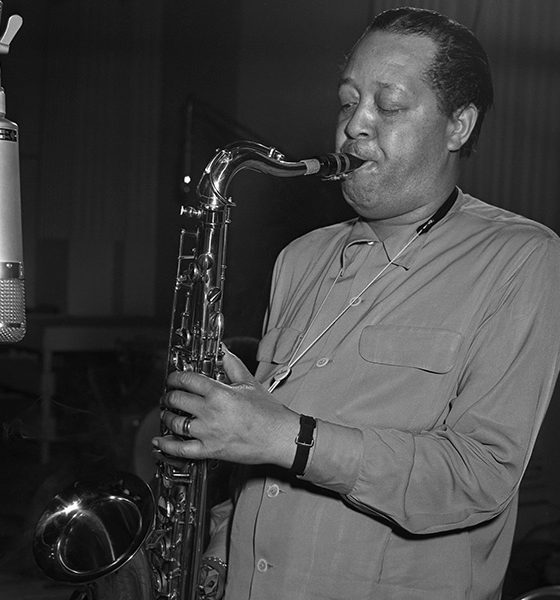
(336, 457)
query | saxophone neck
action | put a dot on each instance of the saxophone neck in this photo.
(213, 185)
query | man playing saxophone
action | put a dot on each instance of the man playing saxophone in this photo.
(407, 360)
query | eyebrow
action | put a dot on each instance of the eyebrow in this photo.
(382, 84)
(392, 86)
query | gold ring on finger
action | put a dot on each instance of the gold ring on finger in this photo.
(187, 426)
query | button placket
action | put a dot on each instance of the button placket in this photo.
(273, 490)
(262, 565)
(368, 262)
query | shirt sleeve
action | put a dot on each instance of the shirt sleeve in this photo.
(220, 517)
(468, 469)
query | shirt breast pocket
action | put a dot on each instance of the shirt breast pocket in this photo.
(425, 348)
(277, 345)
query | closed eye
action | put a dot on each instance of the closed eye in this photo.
(347, 108)
(389, 111)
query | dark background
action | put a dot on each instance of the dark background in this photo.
(116, 102)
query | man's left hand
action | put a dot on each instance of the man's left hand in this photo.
(238, 422)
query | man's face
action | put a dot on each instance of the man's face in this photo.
(390, 117)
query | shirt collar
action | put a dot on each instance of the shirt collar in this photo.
(362, 233)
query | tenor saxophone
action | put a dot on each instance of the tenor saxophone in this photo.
(94, 530)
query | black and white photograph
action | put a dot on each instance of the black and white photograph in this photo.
(279, 300)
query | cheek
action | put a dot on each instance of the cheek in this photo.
(399, 137)
(408, 144)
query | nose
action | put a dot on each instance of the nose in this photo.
(360, 123)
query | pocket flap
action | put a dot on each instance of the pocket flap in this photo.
(277, 345)
(426, 348)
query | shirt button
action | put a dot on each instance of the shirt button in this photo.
(272, 491)
(262, 565)
(322, 362)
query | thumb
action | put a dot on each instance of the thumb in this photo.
(234, 368)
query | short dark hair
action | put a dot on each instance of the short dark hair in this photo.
(460, 72)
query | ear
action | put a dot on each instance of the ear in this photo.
(460, 126)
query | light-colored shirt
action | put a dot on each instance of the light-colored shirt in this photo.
(429, 392)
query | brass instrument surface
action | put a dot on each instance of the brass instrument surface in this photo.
(167, 535)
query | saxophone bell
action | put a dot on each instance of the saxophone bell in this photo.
(93, 528)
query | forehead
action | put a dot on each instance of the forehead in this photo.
(390, 60)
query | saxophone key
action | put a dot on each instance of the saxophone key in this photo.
(206, 261)
(213, 295)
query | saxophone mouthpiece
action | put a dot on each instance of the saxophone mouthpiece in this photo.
(332, 166)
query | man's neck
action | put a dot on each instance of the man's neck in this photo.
(403, 226)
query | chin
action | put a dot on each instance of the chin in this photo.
(367, 202)
(356, 193)
(361, 208)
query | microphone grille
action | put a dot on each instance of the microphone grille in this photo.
(12, 310)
